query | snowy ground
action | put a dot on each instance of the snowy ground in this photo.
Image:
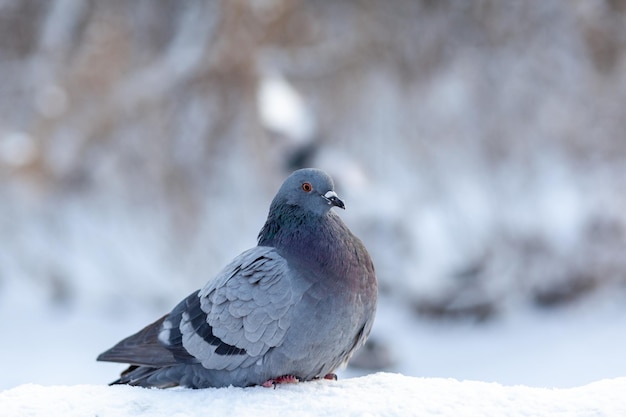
(382, 394)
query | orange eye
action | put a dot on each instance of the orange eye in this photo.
(307, 187)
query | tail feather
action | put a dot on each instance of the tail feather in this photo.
(144, 376)
(142, 348)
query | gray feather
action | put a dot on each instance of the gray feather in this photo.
(238, 319)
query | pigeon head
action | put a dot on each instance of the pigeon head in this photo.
(310, 189)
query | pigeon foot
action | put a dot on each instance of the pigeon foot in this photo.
(285, 379)
(331, 377)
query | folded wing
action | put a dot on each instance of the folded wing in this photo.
(231, 322)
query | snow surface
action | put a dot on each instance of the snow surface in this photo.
(380, 394)
(283, 110)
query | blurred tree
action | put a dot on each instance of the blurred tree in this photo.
(499, 119)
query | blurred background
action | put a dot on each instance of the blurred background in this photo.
(479, 145)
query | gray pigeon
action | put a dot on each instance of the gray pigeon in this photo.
(294, 308)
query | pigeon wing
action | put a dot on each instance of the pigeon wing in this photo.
(236, 318)
(231, 322)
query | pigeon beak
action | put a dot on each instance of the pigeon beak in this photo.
(334, 200)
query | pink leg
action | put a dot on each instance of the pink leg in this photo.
(285, 379)
(331, 377)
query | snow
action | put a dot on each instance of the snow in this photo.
(17, 149)
(382, 394)
(283, 110)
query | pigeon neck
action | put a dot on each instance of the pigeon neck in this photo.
(287, 225)
(319, 244)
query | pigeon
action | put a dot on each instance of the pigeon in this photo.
(293, 308)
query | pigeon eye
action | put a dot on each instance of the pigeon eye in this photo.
(307, 187)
